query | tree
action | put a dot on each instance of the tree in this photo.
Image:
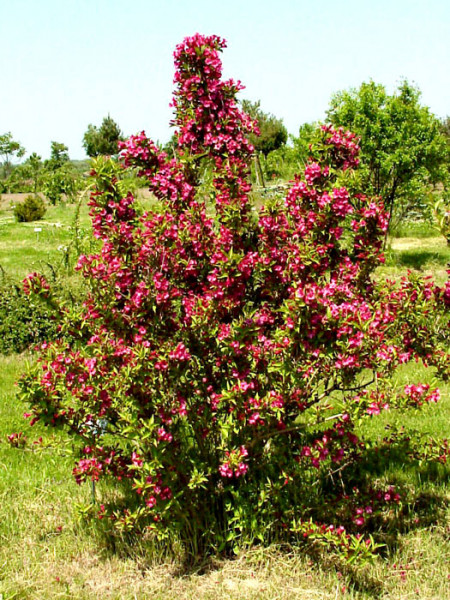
(34, 169)
(102, 140)
(27, 176)
(59, 156)
(302, 143)
(273, 133)
(9, 148)
(170, 146)
(61, 178)
(60, 182)
(402, 148)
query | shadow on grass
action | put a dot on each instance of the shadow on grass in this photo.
(384, 465)
(421, 486)
(424, 503)
(417, 259)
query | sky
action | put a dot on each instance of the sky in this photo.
(68, 63)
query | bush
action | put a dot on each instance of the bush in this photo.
(24, 321)
(224, 359)
(31, 209)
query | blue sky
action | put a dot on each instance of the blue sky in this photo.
(68, 63)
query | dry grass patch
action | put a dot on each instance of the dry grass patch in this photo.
(257, 575)
(410, 243)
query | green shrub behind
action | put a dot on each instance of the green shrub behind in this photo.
(31, 209)
(24, 321)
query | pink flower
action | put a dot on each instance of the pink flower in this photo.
(136, 460)
(373, 409)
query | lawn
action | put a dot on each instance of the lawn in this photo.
(47, 551)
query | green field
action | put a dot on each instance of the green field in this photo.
(27, 247)
(47, 552)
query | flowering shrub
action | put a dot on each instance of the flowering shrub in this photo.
(224, 358)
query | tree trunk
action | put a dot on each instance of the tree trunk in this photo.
(259, 172)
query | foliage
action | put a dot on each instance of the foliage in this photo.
(280, 164)
(441, 214)
(81, 167)
(445, 129)
(102, 140)
(402, 148)
(272, 133)
(170, 146)
(31, 209)
(34, 167)
(302, 143)
(62, 181)
(61, 178)
(28, 176)
(9, 148)
(223, 363)
(59, 156)
(33, 174)
(24, 321)
(286, 161)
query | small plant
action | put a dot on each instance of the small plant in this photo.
(441, 214)
(31, 209)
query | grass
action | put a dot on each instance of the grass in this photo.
(415, 229)
(47, 552)
(27, 247)
(430, 255)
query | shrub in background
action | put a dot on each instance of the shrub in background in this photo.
(224, 359)
(31, 209)
(24, 321)
(60, 183)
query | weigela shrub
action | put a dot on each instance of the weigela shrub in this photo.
(225, 356)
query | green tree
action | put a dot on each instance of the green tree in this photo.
(62, 182)
(35, 165)
(402, 148)
(301, 143)
(102, 140)
(33, 169)
(28, 176)
(170, 146)
(59, 156)
(31, 209)
(9, 149)
(61, 179)
(273, 134)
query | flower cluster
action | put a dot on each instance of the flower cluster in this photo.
(17, 440)
(35, 283)
(234, 466)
